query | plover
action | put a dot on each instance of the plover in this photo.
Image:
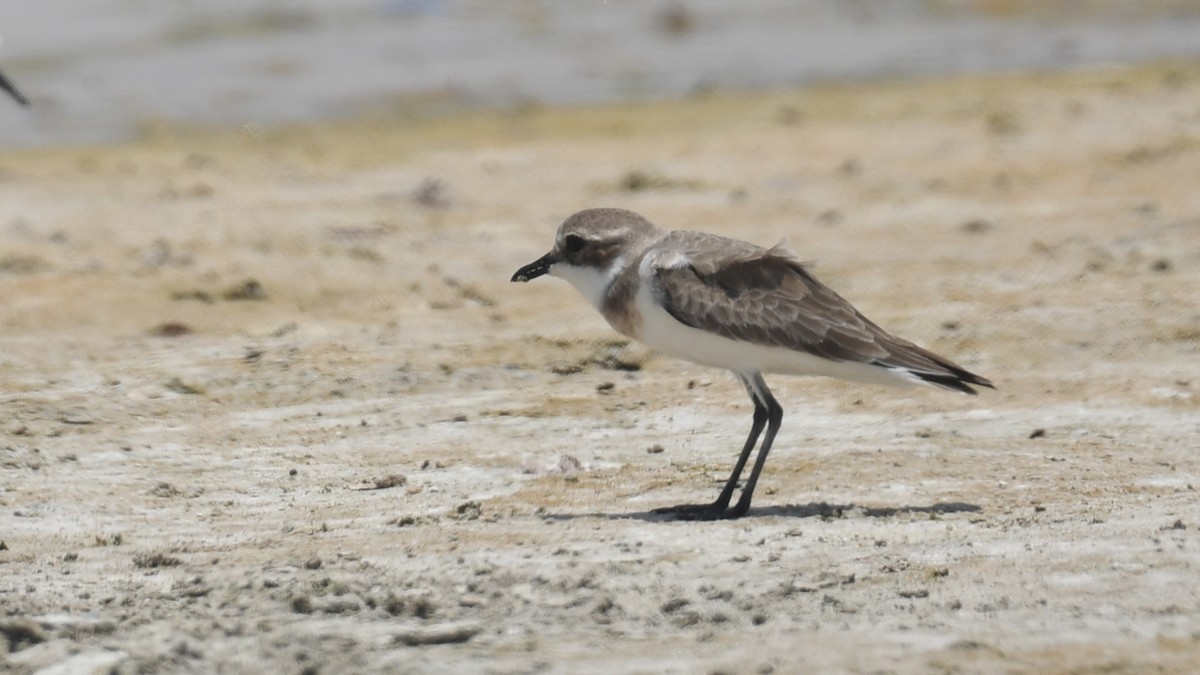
(729, 304)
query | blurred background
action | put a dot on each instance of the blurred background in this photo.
(98, 70)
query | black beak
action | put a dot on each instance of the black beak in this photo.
(8, 86)
(536, 268)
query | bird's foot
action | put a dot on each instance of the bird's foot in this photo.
(715, 511)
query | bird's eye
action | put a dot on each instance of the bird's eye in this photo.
(574, 243)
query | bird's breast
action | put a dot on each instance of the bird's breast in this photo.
(620, 307)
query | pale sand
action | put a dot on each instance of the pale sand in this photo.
(201, 503)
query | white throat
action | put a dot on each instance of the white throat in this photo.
(591, 282)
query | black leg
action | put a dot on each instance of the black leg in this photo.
(760, 418)
(767, 412)
(774, 420)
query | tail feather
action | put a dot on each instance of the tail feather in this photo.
(923, 365)
(949, 376)
(955, 381)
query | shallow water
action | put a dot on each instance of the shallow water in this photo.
(97, 69)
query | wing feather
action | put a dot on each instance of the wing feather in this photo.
(769, 297)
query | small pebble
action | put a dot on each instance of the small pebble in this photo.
(976, 226)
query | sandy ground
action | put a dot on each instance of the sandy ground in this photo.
(270, 403)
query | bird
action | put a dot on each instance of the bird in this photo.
(726, 303)
(12, 90)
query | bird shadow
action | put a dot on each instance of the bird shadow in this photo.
(822, 510)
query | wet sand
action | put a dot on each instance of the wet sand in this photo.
(271, 404)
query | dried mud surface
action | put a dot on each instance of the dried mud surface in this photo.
(270, 403)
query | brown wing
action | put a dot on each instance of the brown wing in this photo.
(768, 297)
